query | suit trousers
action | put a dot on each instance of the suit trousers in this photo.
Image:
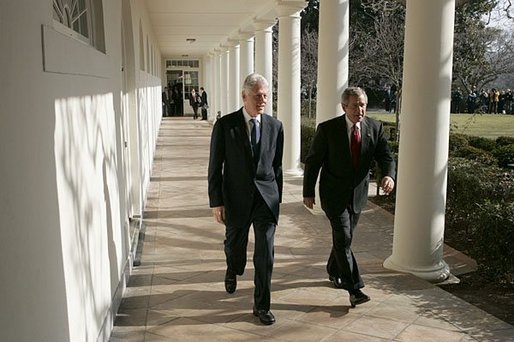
(236, 242)
(341, 262)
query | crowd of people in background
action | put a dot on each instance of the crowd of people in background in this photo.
(491, 101)
(172, 104)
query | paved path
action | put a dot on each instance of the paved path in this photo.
(177, 294)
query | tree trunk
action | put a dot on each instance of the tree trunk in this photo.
(310, 102)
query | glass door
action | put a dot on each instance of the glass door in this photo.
(190, 83)
(180, 84)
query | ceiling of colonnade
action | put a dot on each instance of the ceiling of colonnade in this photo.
(209, 22)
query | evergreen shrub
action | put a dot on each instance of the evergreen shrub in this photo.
(480, 209)
(493, 245)
(474, 153)
(457, 141)
(482, 143)
(502, 141)
(307, 134)
(505, 155)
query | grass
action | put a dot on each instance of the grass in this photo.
(481, 125)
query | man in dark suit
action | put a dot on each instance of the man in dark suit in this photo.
(245, 188)
(194, 101)
(344, 148)
(205, 103)
(165, 102)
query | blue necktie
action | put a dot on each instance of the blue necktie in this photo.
(255, 137)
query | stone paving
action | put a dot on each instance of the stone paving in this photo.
(177, 293)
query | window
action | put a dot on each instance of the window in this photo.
(81, 19)
(191, 63)
(190, 82)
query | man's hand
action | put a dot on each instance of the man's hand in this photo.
(387, 185)
(309, 202)
(219, 214)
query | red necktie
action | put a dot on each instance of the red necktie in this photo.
(355, 146)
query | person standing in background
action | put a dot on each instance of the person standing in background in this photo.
(205, 103)
(494, 97)
(194, 102)
(165, 102)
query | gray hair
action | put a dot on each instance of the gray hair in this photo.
(353, 91)
(252, 80)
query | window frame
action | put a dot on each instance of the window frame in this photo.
(67, 12)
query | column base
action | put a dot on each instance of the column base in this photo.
(438, 273)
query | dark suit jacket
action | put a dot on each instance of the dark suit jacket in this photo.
(204, 98)
(340, 185)
(165, 98)
(233, 174)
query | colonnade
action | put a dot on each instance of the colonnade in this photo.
(227, 66)
(251, 50)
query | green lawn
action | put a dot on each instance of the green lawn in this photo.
(482, 125)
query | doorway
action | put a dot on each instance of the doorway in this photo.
(180, 83)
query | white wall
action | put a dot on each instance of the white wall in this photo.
(64, 199)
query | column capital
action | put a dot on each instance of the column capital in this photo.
(286, 8)
(263, 24)
(224, 47)
(244, 35)
(232, 43)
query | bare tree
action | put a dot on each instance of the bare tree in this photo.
(309, 48)
(482, 54)
(376, 55)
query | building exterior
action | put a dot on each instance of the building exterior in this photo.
(81, 107)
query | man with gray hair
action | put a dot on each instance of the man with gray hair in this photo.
(343, 149)
(245, 188)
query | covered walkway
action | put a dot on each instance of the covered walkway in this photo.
(177, 293)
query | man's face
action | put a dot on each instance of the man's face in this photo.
(255, 100)
(355, 109)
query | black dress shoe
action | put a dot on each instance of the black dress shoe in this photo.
(265, 316)
(230, 282)
(358, 297)
(337, 281)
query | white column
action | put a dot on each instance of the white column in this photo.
(211, 91)
(264, 56)
(205, 71)
(289, 97)
(234, 90)
(246, 52)
(217, 83)
(333, 40)
(421, 193)
(224, 77)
